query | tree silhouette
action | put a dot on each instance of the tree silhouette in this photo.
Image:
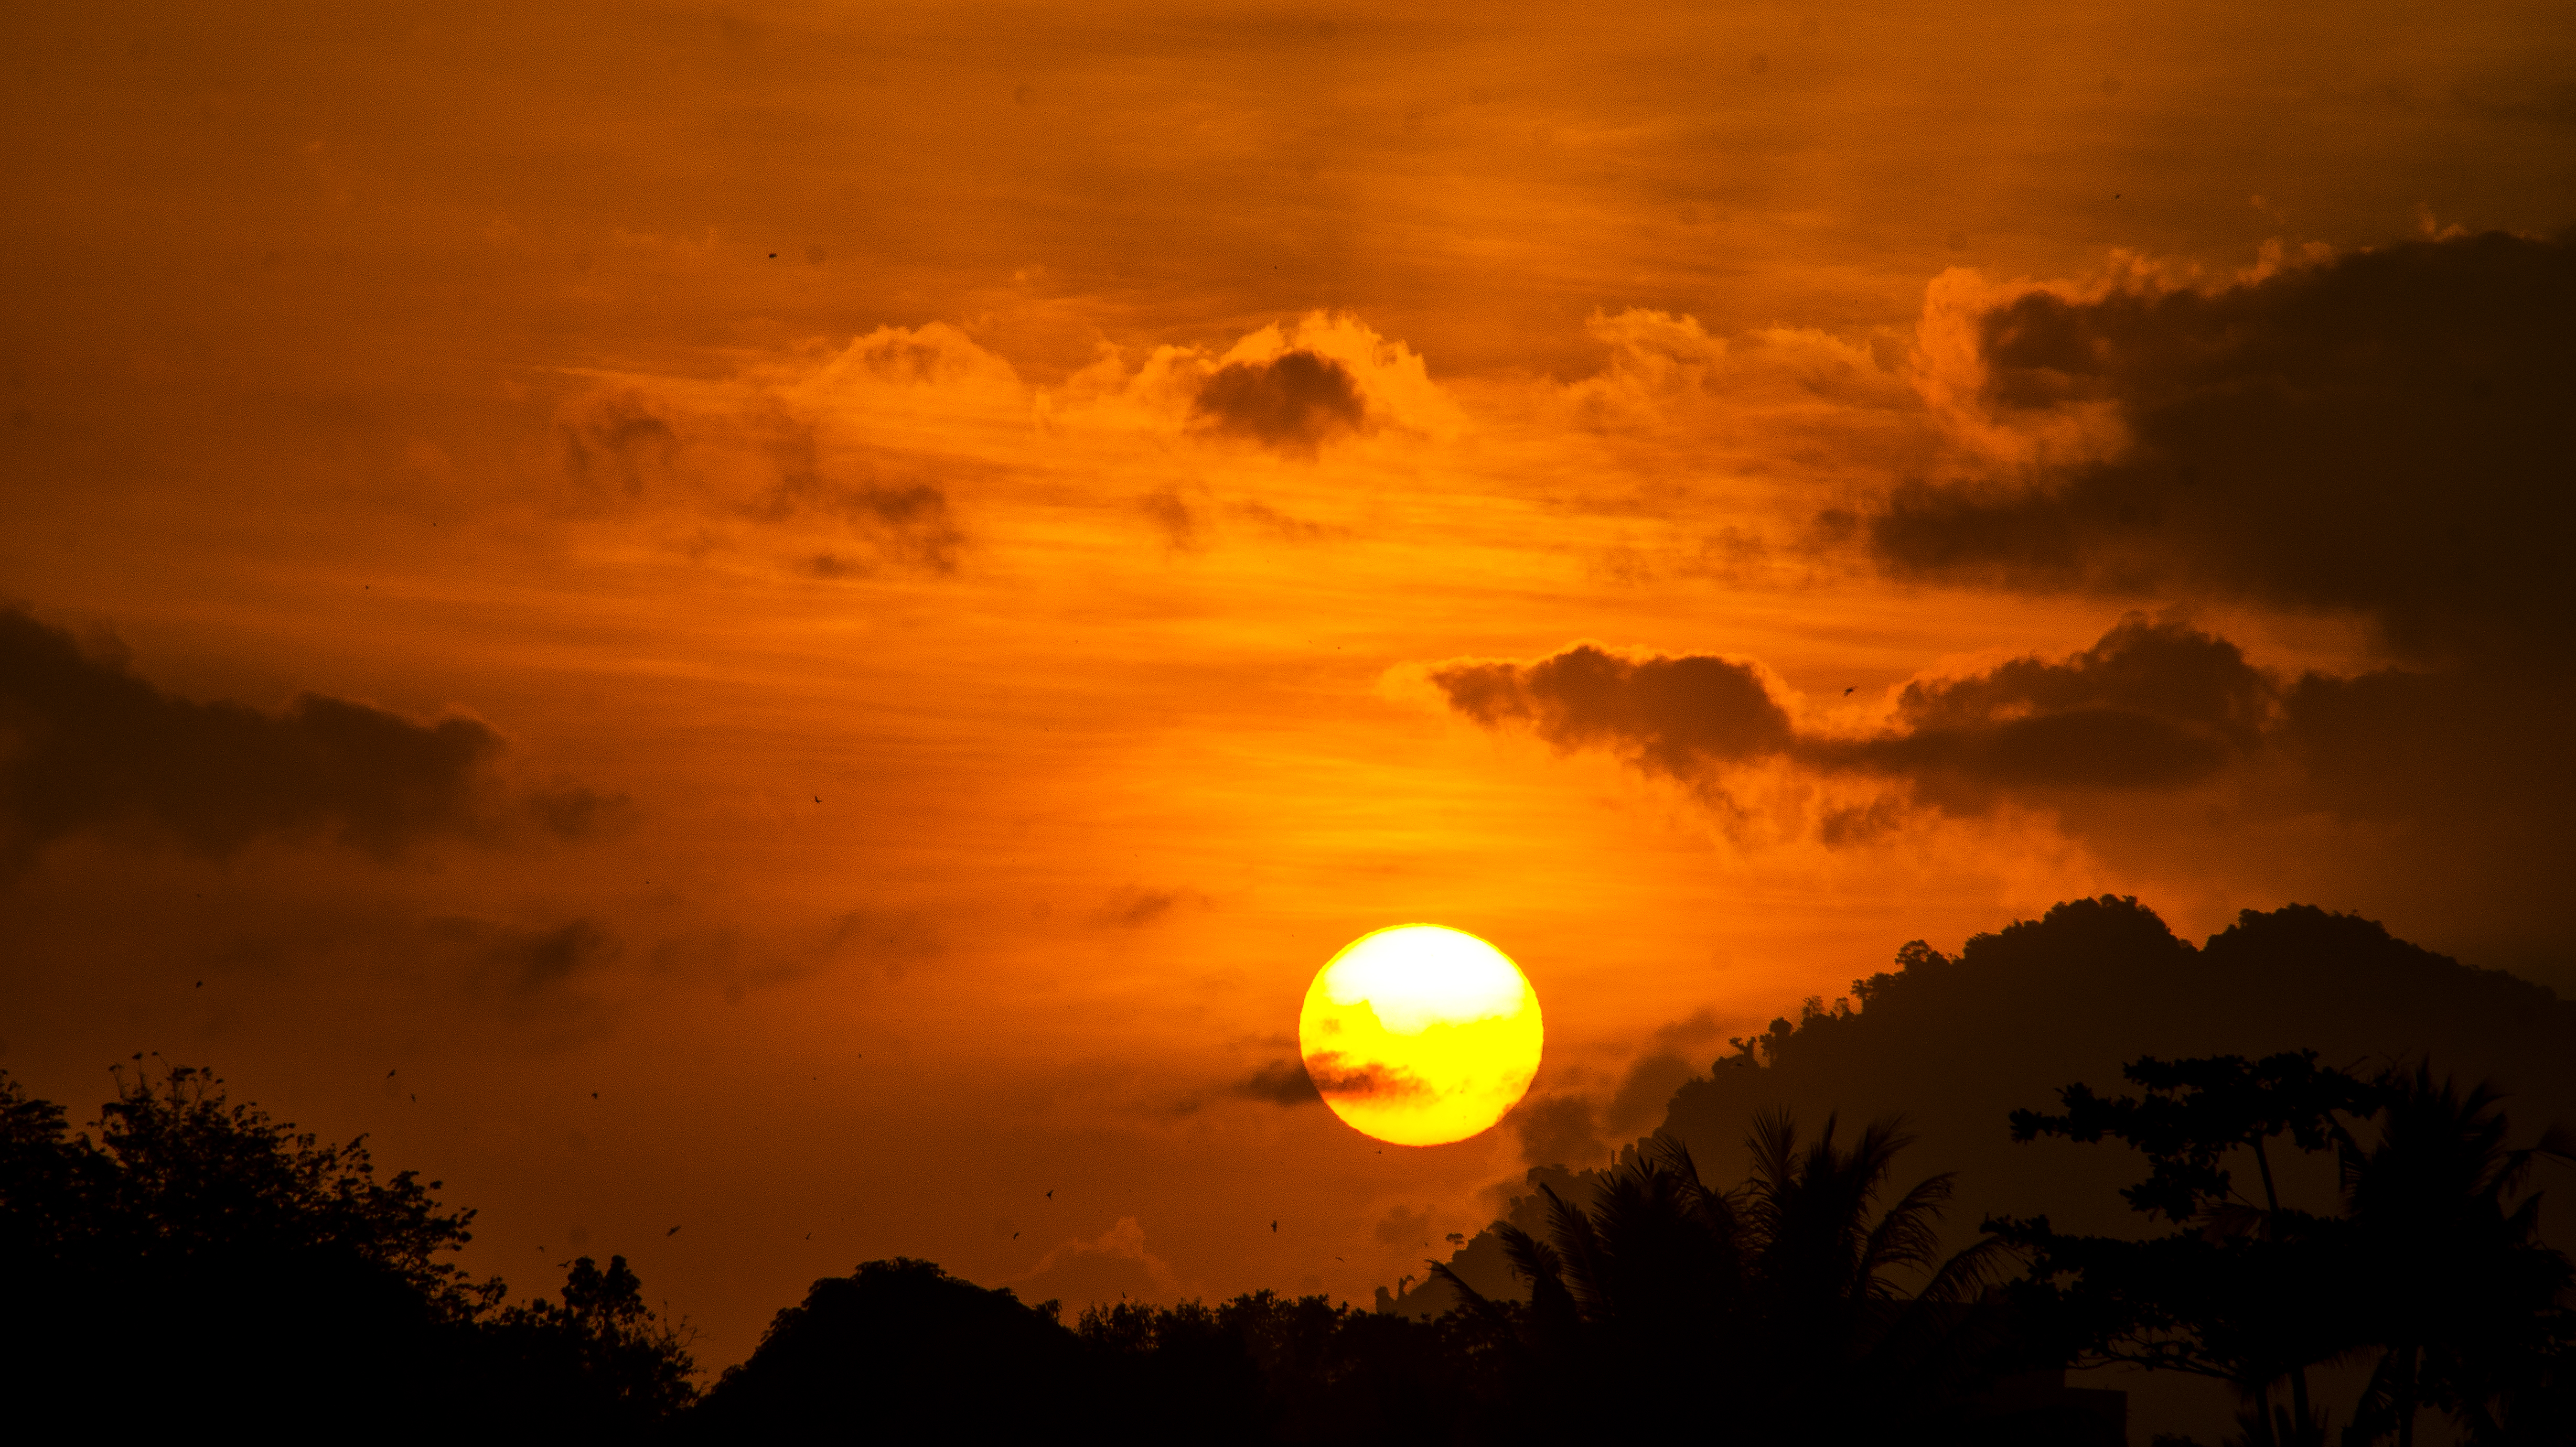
(1779, 1299)
(908, 1350)
(2432, 1267)
(2239, 1297)
(197, 1264)
(598, 1359)
(2462, 1293)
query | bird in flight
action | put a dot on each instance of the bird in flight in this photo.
(1274, 1228)
(1848, 691)
(1050, 1194)
(674, 1231)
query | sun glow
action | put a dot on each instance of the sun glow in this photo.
(1419, 1035)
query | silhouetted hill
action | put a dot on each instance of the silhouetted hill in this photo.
(1955, 1045)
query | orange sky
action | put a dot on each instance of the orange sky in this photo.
(864, 451)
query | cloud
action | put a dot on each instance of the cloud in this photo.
(1165, 509)
(1332, 1078)
(2377, 434)
(903, 521)
(1292, 403)
(1557, 1130)
(1404, 1226)
(858, 454)
(1134, 907)
(86, 745)
(2152, 705)
(1111, 1267)
(2155, 704)
(1675, 716)
(2161, 746)
(1281, 1082)
(538, 972)
(617, 445)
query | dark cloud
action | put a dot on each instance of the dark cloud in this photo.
(2162, 746)
(1134, 907)
(1286, 528)
(1666, 1063)
(1673, 715)
(1293, 403)
(569, 811)
(906, 521)
(2153, 705)
(617, 446)
(1404, 1226)
(2382, 434)
(1168, 512)
(1332, 1078)
(1557, 1130)
(1281, 1082)
(85, 745)
(521, 964)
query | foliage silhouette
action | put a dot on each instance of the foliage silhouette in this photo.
(913, 1351)
(2463, 1296)
(907, 1349)
(1779, 1299)
(296, 1290)
(2431, 1265)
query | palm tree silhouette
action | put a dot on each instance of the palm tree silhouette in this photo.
(2460, 1283)
(1780, 1299)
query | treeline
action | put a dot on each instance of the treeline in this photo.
(198, 1265)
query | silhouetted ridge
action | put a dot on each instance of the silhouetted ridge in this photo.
(1957, 1044)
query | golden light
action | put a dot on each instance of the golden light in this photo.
(1420, 1035)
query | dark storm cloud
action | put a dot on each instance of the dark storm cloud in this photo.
(1293, 403)
(85, 744)
(2383, 434)
(1281, 1082)
(1673, 715)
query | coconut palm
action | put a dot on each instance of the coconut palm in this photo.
(1778, 1305)
(2461, 1285)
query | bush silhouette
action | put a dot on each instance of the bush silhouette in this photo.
(200, 1265)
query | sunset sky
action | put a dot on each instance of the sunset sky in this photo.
(807, 622)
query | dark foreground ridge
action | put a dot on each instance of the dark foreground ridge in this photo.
(2268, 1189)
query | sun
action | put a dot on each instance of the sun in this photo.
(1420, 1035)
